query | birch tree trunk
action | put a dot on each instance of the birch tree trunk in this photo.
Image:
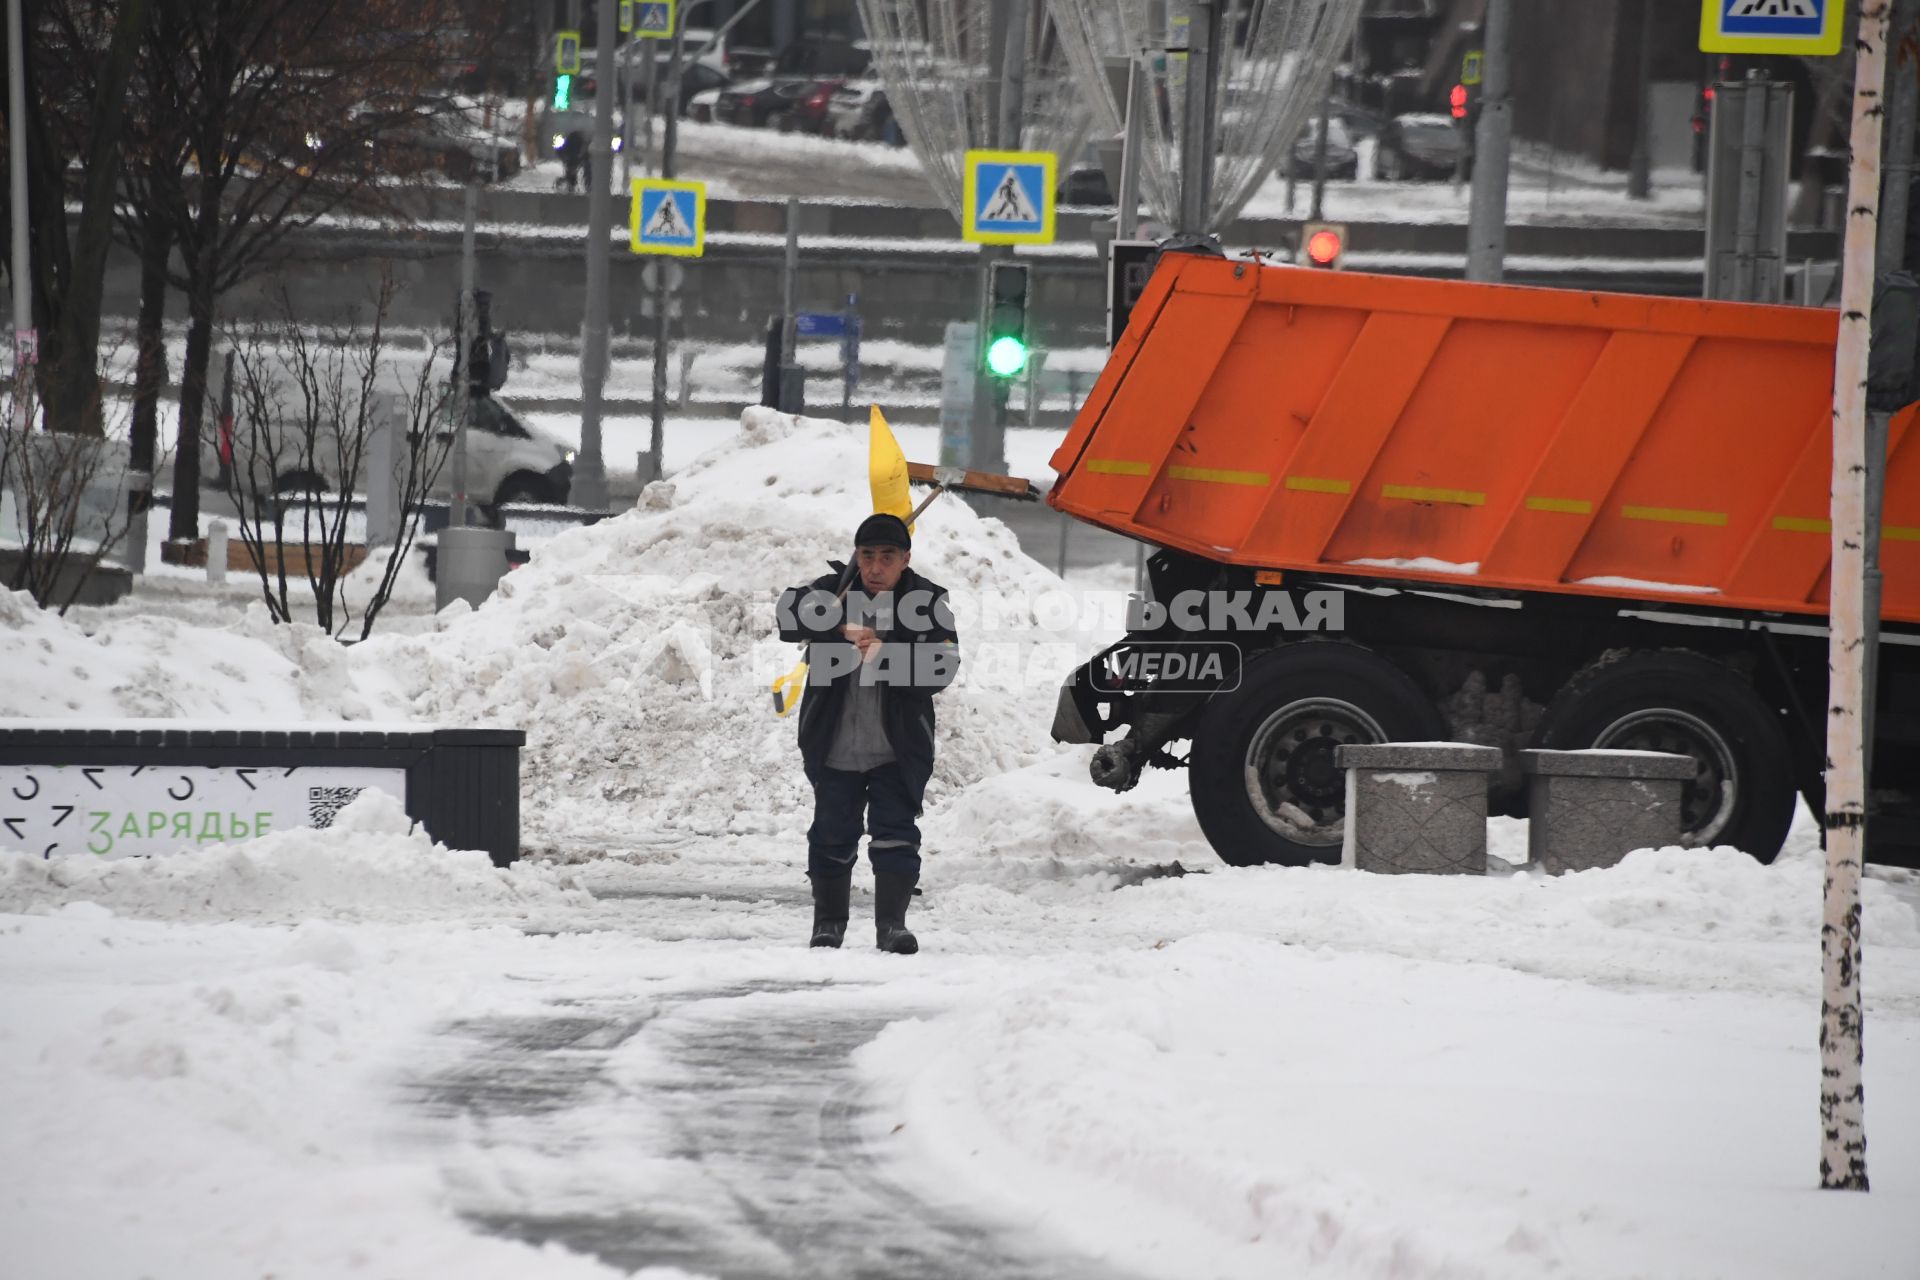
(1843, 1140)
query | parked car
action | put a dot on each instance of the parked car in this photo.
(801, 72)
(1343, 160)
(859, 110)
(508, 459)
(1422, 147)
(701, 105)
(753, 103)
(744, 62)
(1086, 184)
(697, 75)
(810, 113)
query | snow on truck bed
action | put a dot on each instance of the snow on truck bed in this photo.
(1247, 1072)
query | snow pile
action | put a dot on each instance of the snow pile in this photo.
(638, 653)
(1242, 1108)
(138, 666)
(1050, 822)
(370, 865)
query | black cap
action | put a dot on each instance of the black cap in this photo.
(883, 530)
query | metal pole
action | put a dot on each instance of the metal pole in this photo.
(1126, 217)
(1897, 180)
(1753, 152)
(590, 477)
(17, 194)
(1196, 167)
(1487, 211)
(990, 394)
(792, 397)
(662, 295)
(1013, 75)
(650, 90)
(1640, 163)
(1320, 154)
(465, 326)
(1843, 1143)
(628, 138)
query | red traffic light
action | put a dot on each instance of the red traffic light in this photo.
(1323, 247)
(1457, 101)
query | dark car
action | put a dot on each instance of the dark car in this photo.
(1423, 147)
(860, 111)
(696, 75)
(804, 75)
(1086, 185)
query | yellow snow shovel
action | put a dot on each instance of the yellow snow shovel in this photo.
(888, 475)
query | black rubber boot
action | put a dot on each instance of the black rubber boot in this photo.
(891, 894)
(830, 894)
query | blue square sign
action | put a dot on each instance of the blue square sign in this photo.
(1008, 197)
(1804, 27)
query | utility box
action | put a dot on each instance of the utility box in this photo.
(471, 564)
(1747, 162)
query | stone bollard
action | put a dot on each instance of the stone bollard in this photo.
(1417, 807)
(1592, 808)
(217, 552)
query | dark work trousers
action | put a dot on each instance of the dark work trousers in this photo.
(877, 801)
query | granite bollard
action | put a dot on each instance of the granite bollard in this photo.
(1417, 808)
(1592, 808)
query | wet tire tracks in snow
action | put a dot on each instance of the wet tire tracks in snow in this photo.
(766, 1121)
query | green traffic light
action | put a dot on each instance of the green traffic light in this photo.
(562, 92)
(1007, 356)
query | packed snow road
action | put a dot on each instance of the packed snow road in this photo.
(761, 1106)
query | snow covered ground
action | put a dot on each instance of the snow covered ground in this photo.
(353, 1052)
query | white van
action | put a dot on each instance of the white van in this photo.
(508, 460)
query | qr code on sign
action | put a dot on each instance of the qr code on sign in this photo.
(324, 802)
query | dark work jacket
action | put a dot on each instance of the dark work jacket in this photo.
(906, 708)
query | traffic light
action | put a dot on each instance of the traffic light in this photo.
(562, 92)
(1457, 102)
(1007, 290)
(1322, 243)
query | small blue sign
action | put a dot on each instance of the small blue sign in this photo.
(820, 324)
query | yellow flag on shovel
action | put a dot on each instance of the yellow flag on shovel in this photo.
(887, 478)
(886, 468)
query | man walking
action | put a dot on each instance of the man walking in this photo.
(875, 660)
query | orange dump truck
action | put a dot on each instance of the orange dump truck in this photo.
(1391, 509)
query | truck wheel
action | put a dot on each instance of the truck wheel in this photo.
(1742, 793)
(1261, 774)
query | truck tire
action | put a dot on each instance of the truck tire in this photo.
(1261, 774)
(1669, 700)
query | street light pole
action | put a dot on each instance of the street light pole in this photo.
(1640, 162)
(662, 293)
(590, 479)
(1487, 212)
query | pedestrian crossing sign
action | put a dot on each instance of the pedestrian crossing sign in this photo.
(655, 19)
(1008, 197)
(668, 217)
(1809, 28)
